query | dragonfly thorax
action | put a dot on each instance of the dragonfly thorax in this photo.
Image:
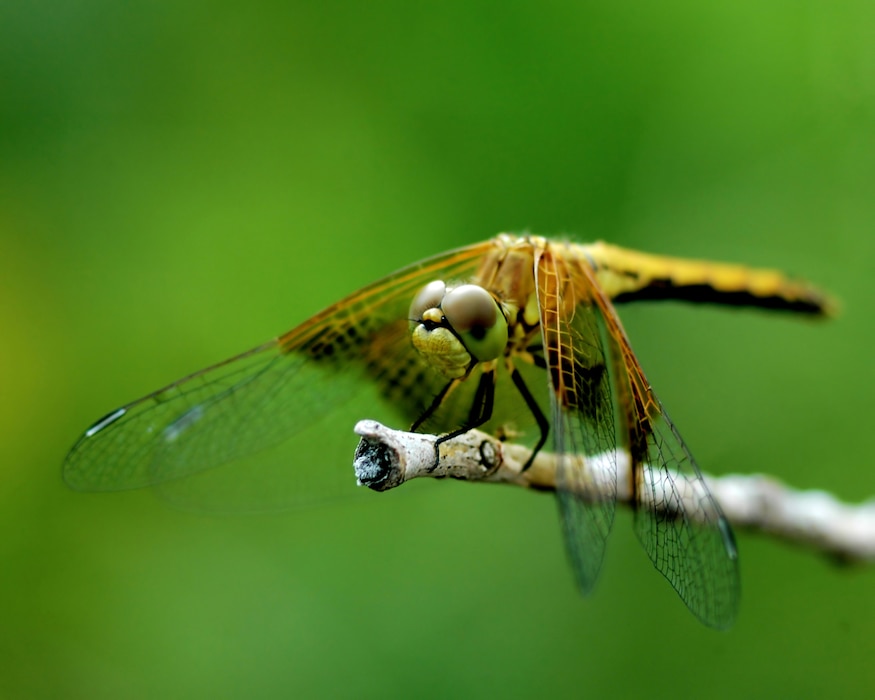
(454, 328)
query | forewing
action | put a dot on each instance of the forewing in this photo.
(354, 355)
(677, 519)
(584, 421)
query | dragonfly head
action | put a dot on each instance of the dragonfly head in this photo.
(454, 328)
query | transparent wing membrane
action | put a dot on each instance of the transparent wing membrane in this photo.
(582, 410)
(677, 519)
(272, 394)
(683, 529)
(602, 406)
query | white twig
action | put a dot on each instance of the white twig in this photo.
(386, 458)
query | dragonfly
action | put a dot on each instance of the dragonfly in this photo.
(518, 336)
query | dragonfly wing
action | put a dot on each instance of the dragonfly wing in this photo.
(677, 520)
(694, 548)
(583, 407)
(277, 393)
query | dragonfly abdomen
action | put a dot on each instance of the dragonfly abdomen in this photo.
(628, 275)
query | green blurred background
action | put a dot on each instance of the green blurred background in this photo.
(180, 181)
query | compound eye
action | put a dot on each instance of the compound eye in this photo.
(476, 318)
(429, 297)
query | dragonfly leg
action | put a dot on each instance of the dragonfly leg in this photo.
(537, 413)
(481, 411)
(536, 356)
(434, 406)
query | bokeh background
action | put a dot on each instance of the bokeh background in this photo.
(180, 181)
